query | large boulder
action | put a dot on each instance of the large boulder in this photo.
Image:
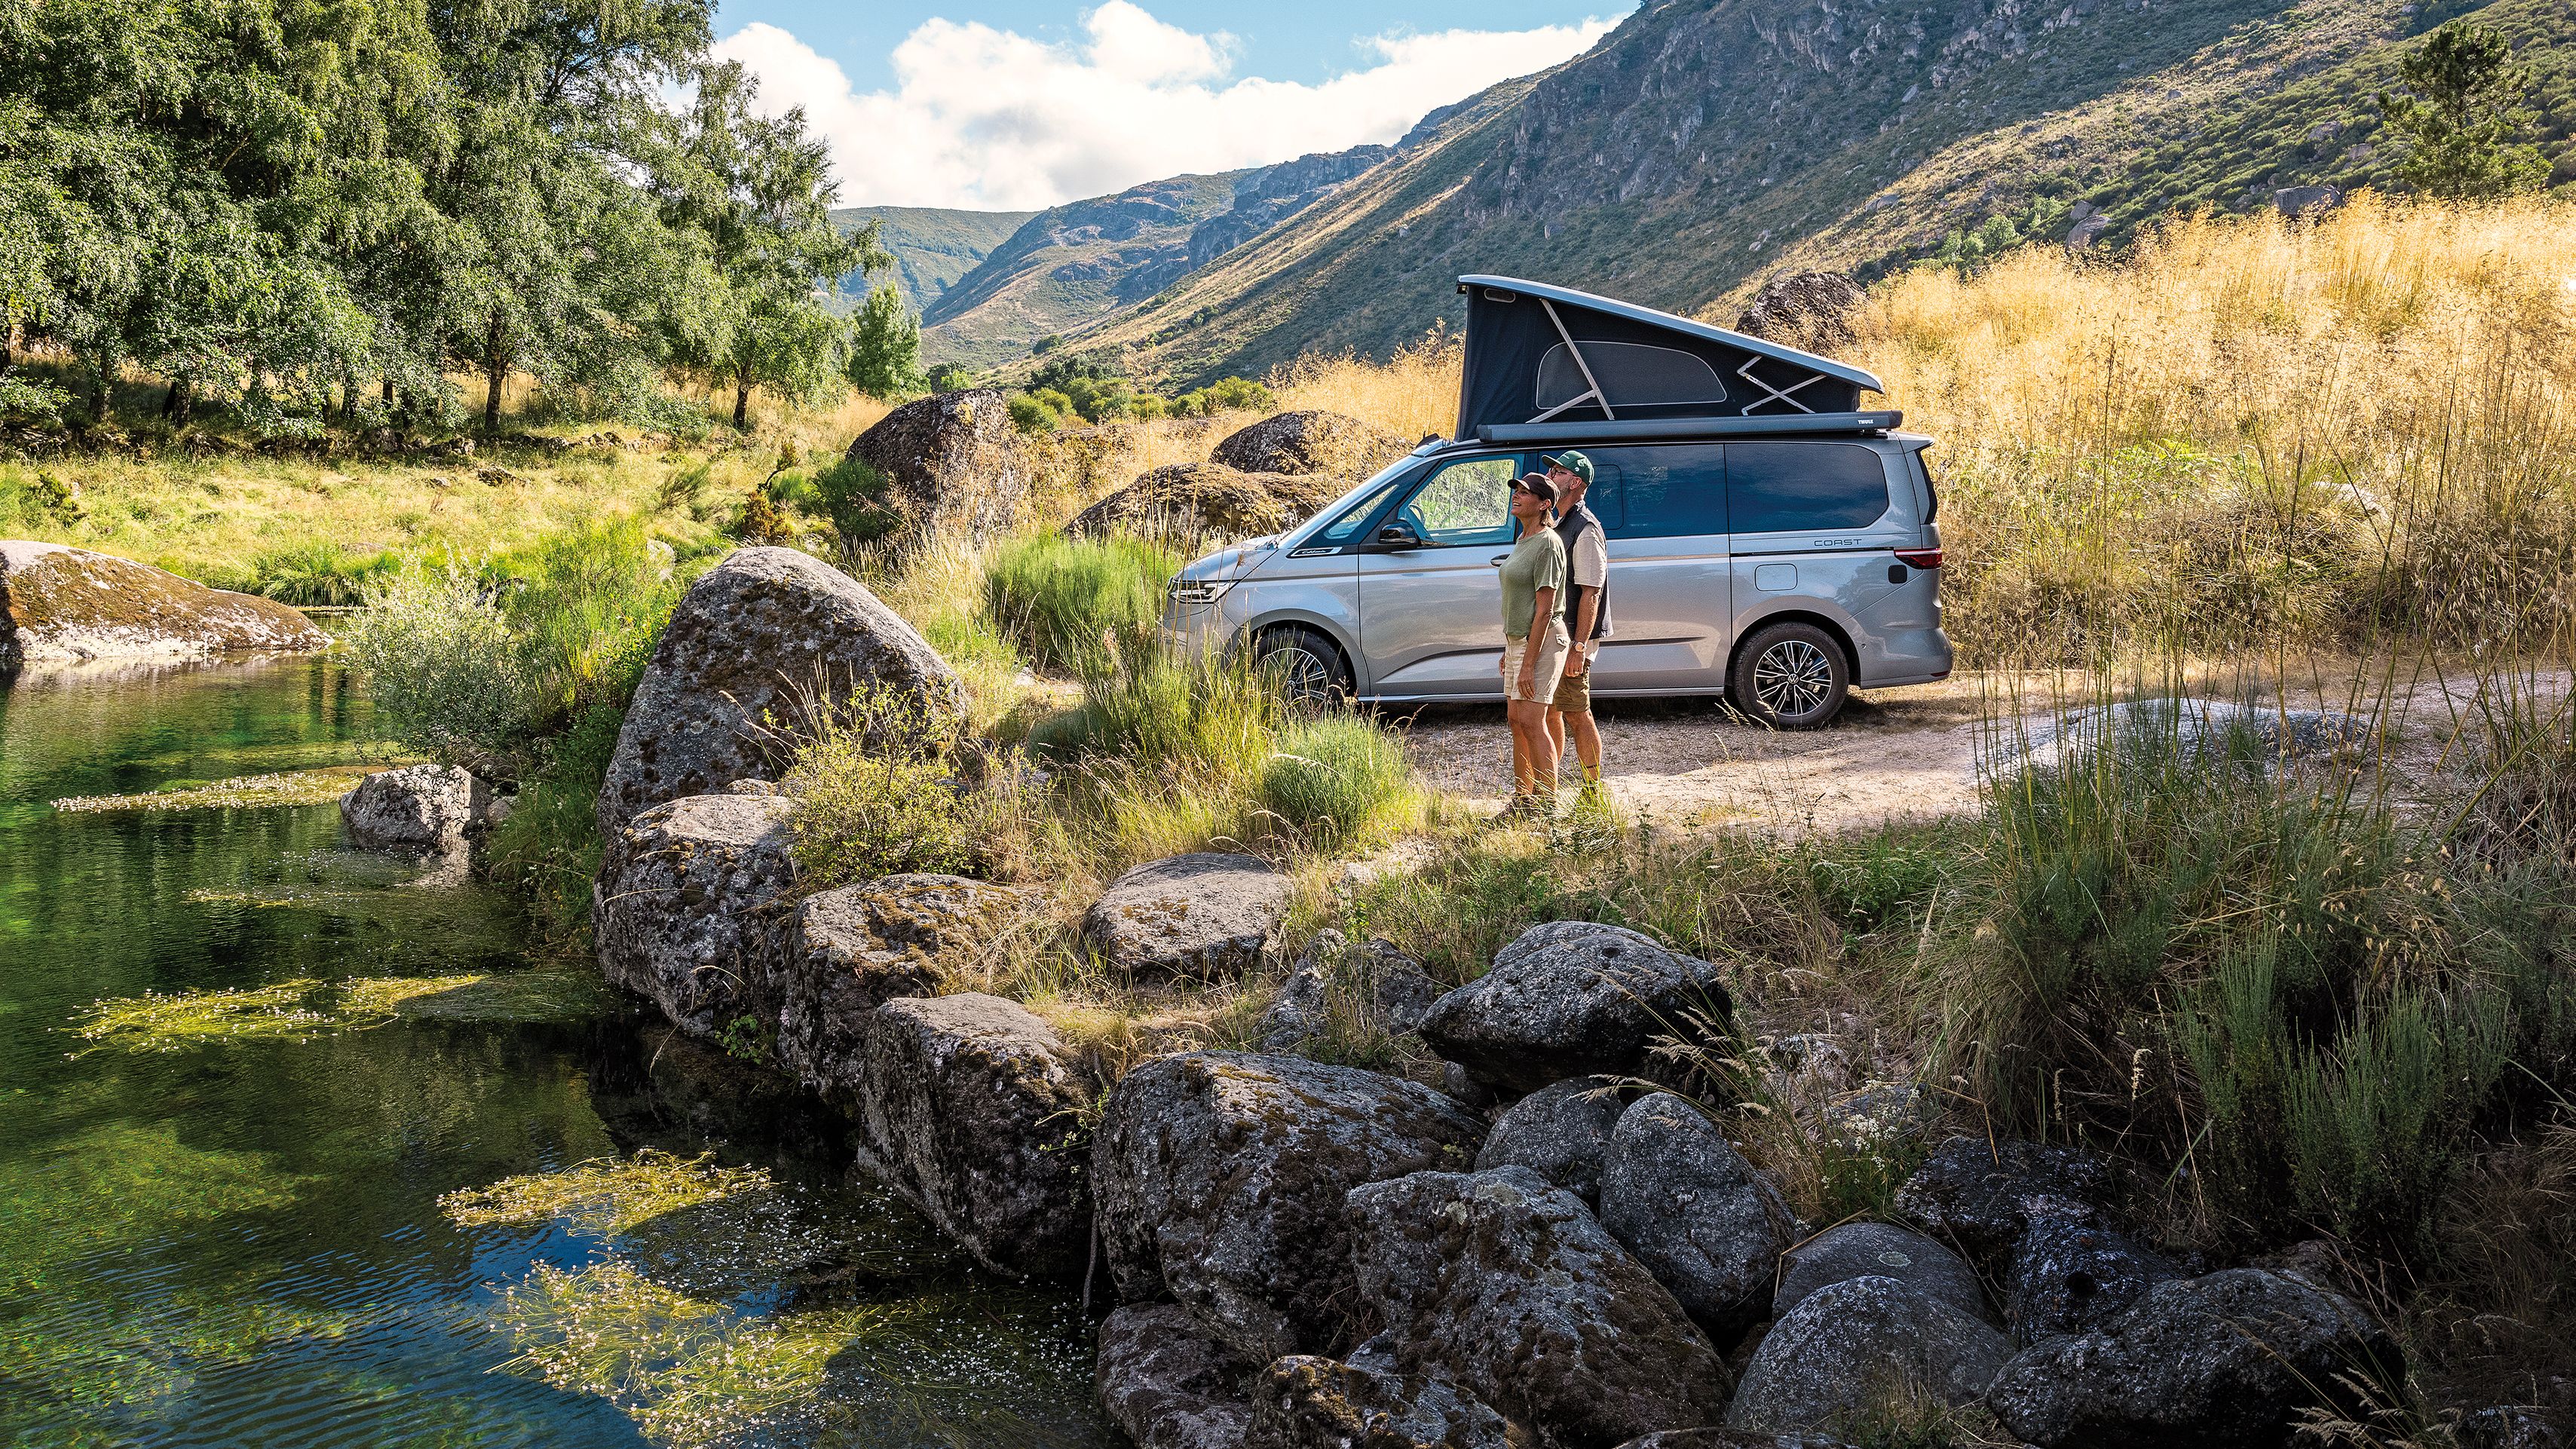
(684, 902)
(1220, 1179)
(972, 1110)
(1730, 1439)
(1312, 441)
(1979, 1195)
(415, 807)
(1508, 1286)
(2072, 1272)
(1811, 311)
(845, 952)
(1206, 915)
(1168, 1382)
(1567, 998)
(1206, 502)
(1853, 1345)
(1306, 1401)
(1878, 1250)
(761, 631)
(1561, 1132)
(63, 605)
(951, 461)
(2221, 1362)
(1708, 1225)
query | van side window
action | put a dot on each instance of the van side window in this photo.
(1355, 517)
(1467, 502)
(1671, 490)
(1792, 487)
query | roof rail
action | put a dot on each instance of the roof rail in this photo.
(1801, 425)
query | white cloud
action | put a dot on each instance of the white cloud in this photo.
(987, 118)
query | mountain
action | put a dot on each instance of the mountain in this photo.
(1704, 145)
(1069, 266)
(932, 246)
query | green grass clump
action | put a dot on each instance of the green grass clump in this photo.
(883, 788)
(1332, 775)
(1078, 604)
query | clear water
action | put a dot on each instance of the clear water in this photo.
(241, 1242)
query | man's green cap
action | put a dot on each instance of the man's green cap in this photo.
(1572, 462)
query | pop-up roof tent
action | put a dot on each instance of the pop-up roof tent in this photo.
(1539, 355)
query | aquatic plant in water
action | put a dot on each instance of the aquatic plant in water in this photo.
(304, 1008)
(247, 792)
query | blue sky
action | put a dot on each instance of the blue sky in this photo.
(1017, 104)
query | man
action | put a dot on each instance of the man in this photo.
(1587, 616)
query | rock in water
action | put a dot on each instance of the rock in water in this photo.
(759, 630)
(951, 461)
(1569, 998)
(848, 951)
(1220, 1179)
(972, 1110)
(1313, 441)
(63, 605)
(2222, 1362)
(1206, 915)
(1507, 1286)
(1979, 1196)
(1309, 1402)
(1561, 1132)
(1812, 311)
(1853, 1344)
(682, 904)
(2072, 1272)
(1206, 502)
(1168, 1382)
(416, 807)
(1879, 1250)
(1701, 1218)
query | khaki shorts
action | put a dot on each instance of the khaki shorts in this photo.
(1574, 691)
(1551, 664)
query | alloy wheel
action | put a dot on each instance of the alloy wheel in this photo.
(1793, 678)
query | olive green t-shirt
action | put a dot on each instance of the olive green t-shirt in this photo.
(1537, 562)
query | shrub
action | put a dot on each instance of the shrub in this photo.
(853, 495)
(883, 789)
(1211, 718)
(1332, 775)
(1079, 604)
(447, 674)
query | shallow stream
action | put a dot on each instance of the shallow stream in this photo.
(300, 1146)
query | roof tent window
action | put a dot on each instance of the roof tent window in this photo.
(1801, 487)
(1634, 374)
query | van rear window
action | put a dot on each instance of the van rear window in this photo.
(1799, 487)
(1667, 491)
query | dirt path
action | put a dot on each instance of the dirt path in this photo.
(1896, 753)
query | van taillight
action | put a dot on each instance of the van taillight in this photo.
(1921, 558)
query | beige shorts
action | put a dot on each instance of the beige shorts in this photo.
(1551, 664)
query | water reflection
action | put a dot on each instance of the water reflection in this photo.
(239, 1240)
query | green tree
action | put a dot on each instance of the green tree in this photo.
(2462, 116)
(885, 346)
(758, 191)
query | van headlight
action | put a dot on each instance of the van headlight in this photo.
(1199, 591)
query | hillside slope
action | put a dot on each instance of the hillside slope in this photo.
(932, 246)
(1705, 144)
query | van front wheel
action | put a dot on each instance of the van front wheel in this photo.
(1791, 676)
(1308, 666)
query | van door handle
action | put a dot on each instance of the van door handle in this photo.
(1498, 560)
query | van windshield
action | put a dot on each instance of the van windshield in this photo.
(1343, 519)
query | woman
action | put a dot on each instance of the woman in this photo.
(1533, 577)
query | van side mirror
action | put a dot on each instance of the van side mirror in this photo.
(1398, 535)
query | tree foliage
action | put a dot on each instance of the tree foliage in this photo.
(294, 207)
(2463, 116)
(885, 346)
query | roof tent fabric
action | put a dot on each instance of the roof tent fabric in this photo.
(1537, 353)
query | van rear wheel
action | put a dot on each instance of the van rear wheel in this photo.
(1791, 676)
(1309, 667)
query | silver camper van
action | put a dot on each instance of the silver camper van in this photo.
(1768, 540)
